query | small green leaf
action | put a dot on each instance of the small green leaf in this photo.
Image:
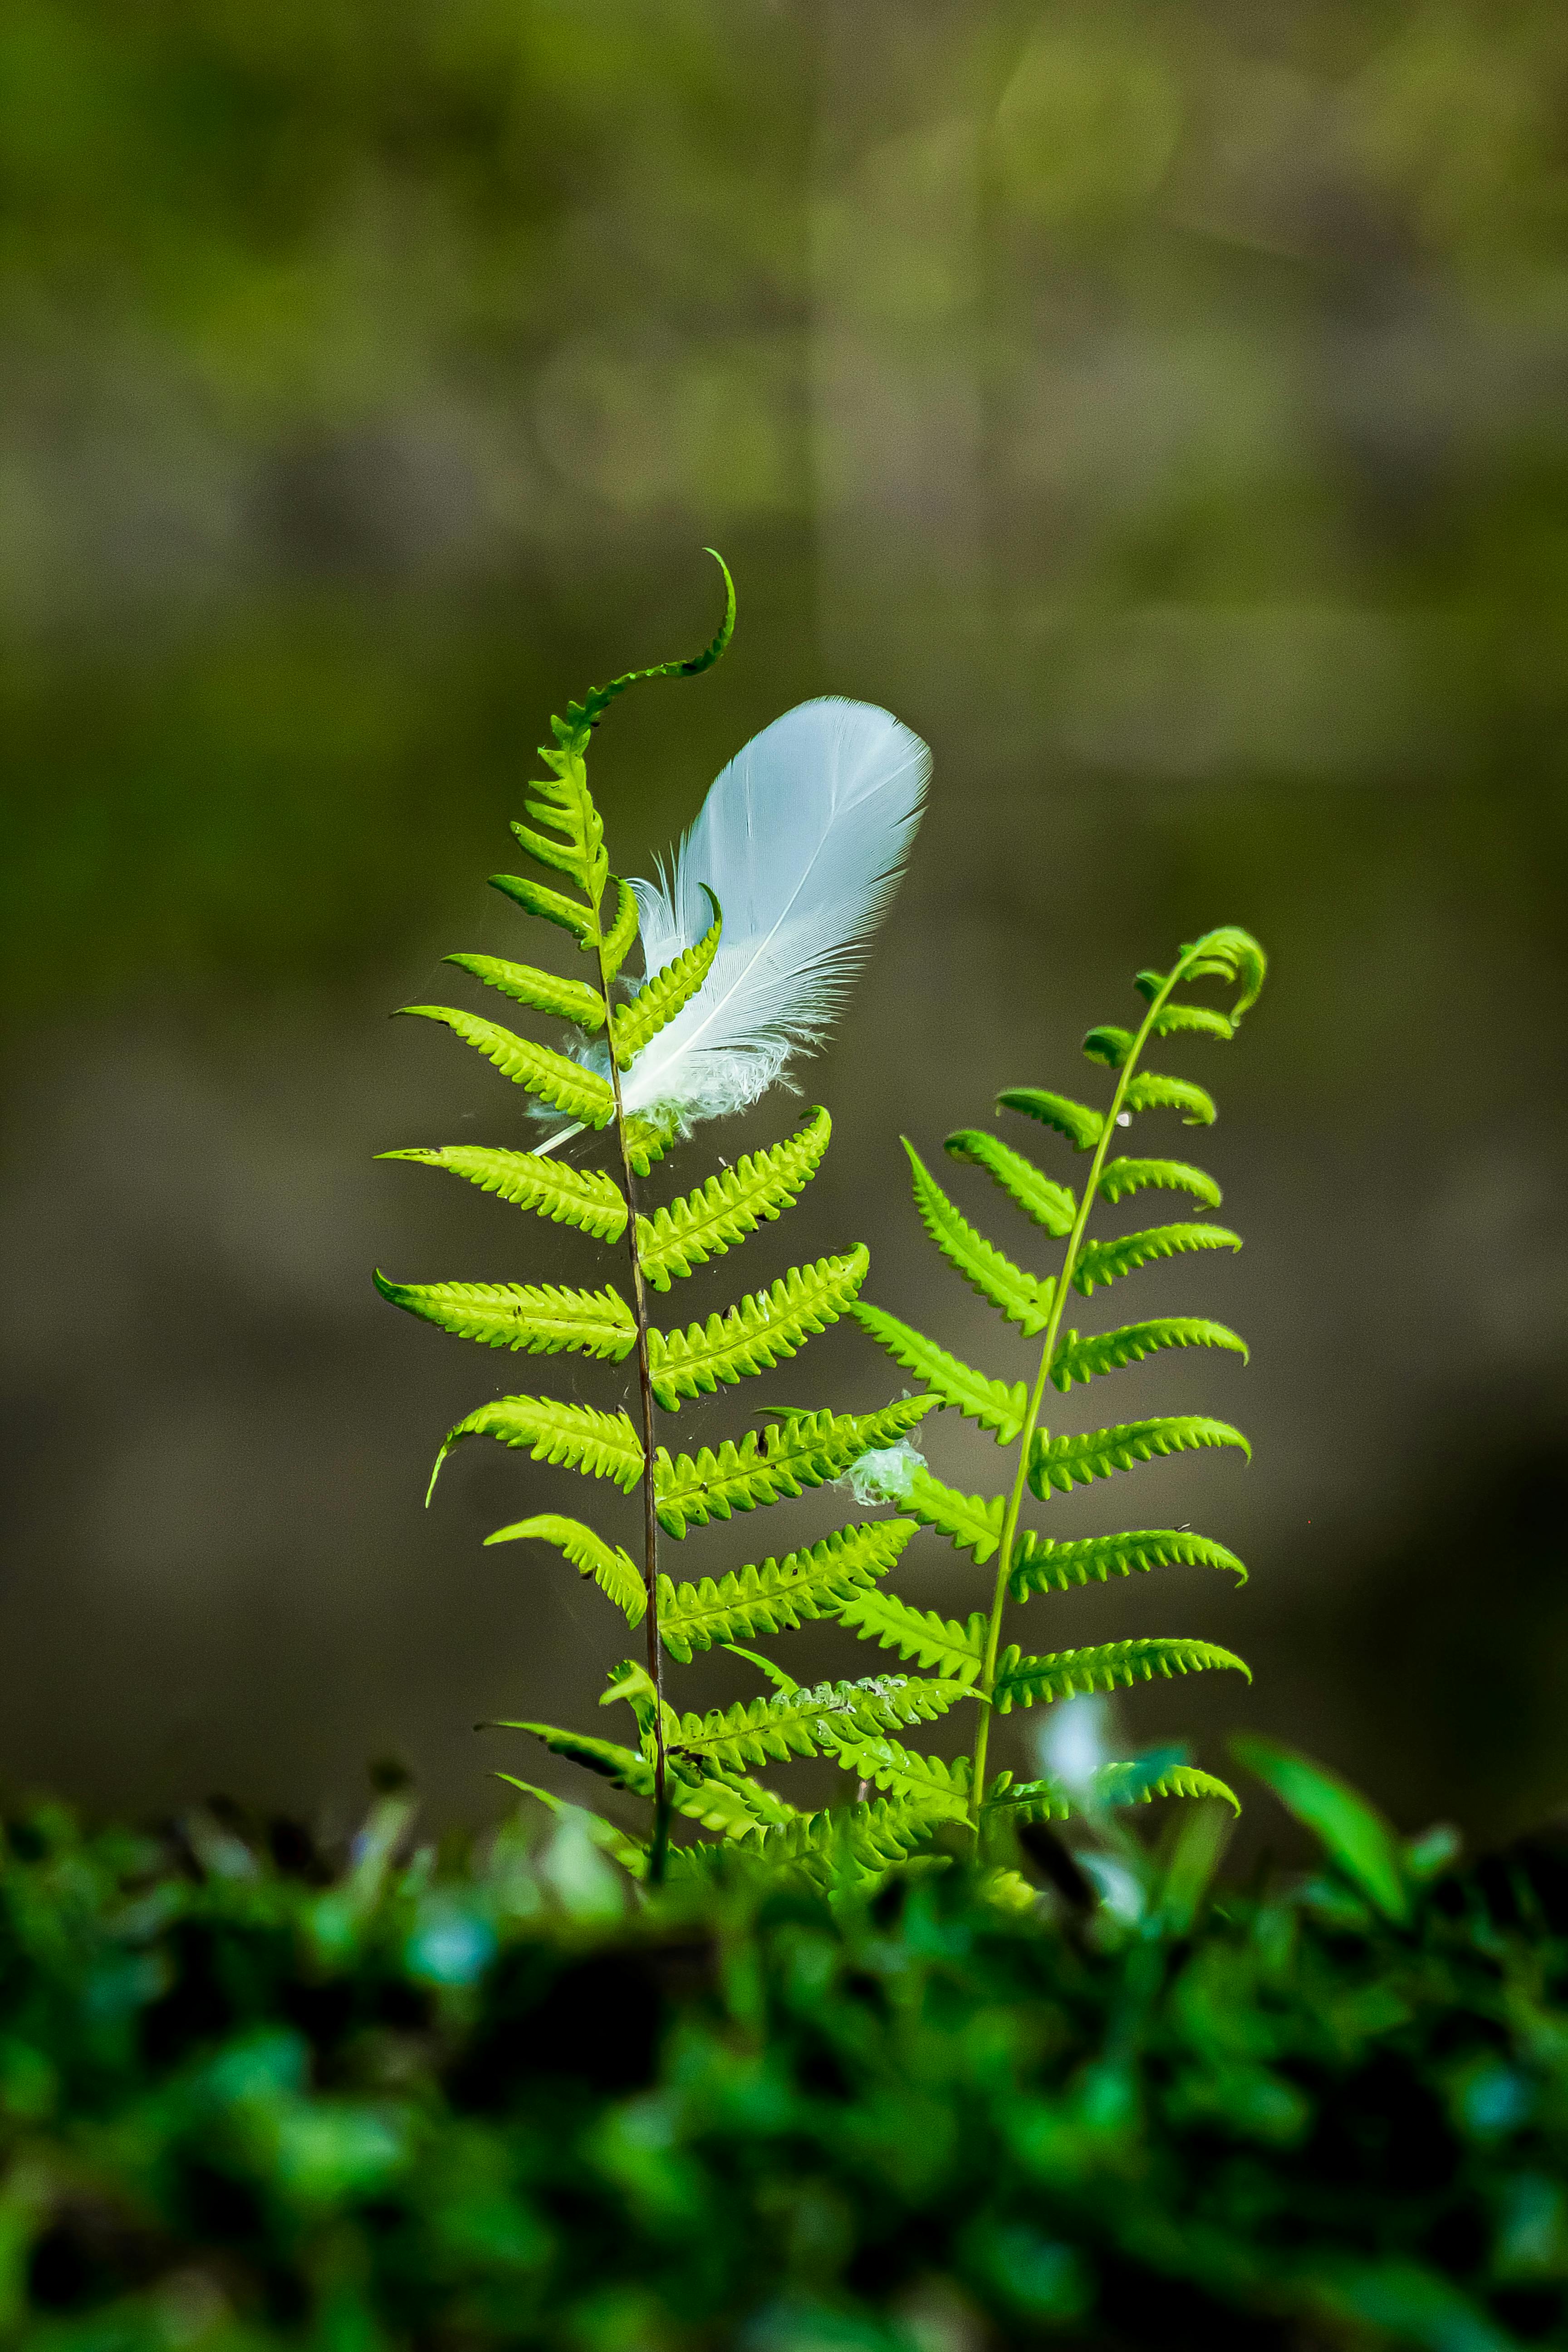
(1082, 1127)
(1152, 1090)
(731, 1204)
(1104, 1261)
(580, 1092)
(757, 1332)
(1109, 1046)
(1124, 1176)
(970, 1522)
(806, 1449)
(1063, 1462)
(536, 900)
(1039, 1565)
(537, 1316)
(613, 1571)
(663, 993)
(1109, 1352)
(1023, 1299)
(1352, 1830)
(593, 1202)
(1049, 1204)
(576, 1436)
(621, 937)
(1229, 953)
(565, 1000)
(1112, 1666)
(994, 1406)
(1192, 1020)
(779, 1594)
(954, 1650)
(936, 1790)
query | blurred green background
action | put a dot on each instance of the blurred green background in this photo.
(1162, 407)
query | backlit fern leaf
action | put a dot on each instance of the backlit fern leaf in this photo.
(538, 1317)
(805, 1449)
(1121, 1177)
(576, 1436)
(545, 992)
(1128, 1784)
(846, 1846)
(729, 1803)
(1043, 1566)
(581, 1093)
(1192, 1021)
(779, 1594)
(1151, 1090)
(613, 1571)
(933, 1790)
(1110, 1351)
(594, 1203)
(809, 1722)
(1063, 1462)
(1113, 1665)
(758, 1332)
(731, 1204)
(1029, 1188)
(622, 935)
(1021, 1297)
(538, 898)
(663, 993)
(1104, 1261)
(970, 1522)
(1081, 1126)
(991, 1403)
(954, 1650)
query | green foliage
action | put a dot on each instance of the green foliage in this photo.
(565, 1085)
(779, 1594)
(579, 1436)
(662, 995)
(540, 1316)
(758, 1332)
(802, 1449)
(989, 1528)
(592, 1201)
(731, 1204)
(614, 1572)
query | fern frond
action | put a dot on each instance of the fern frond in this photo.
(777, 1595)
(1124, 1176)
(1130, 1784)
(536, 898)
(849, 1845)
(757, 1332)
(624, 1768)
(1229, 953)
(994, 1406)
(1113, 1665)
(573, 731)
(933, 1789)
(729, 1803)
(1152, 1090)
(1192, 1021)
(538, 1317)
(1081, 1126)
(581, 1093)
(1021, 1297)
(1063, 1462)
(731, 1204)
(1109, 1352)
(622, 935)
(956, 1651)
(1028, 1187)
(1108, 1045)
(575, 1437)
(1105, 1262)
(593, 1202)
(545, 992)
(629, 1851)
(1040, 1566)
(663, 993)
(614, 1572)
(806, 1449)
(970, 1522)
(648, 1140)
(563, 802)
(811, 1721)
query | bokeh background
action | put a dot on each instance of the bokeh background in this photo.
(1163, 407)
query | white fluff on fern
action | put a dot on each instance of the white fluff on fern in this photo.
(802, 840)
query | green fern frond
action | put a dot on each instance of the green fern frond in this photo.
(1109, 1352)
(1081, 1126)
(614, 1572)
(663, 993)
(647, 1139)
(848, 1846)
(971, 1523)
(536, 1316)
(1130, 1784)
(1019, 1801)
(1108, 1045)
(729, 1803)
(1124, 1176)
(1028, 1187)
(622, 935)
(933, 1789)
(810, 1722)
(581, 1093)
(776, 1595)
(1105, 1262)
(1063, 1462)
(563, 802)
(956, 1651)
(1152, 1090)
(1113, 1665)
(593, 1202)
(536, 898)
(624, 1768)
(731, 1204)
(1021, 1298)
(545, 992)
(1230, 953)
(1040, 1566)
(1192, 1021)
(994, 1406)
(806, 1449)
(574, 1436)
(757, 1332)
(583, 717)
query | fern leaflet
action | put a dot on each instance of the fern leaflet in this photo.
(1124, 1176)
(805, 1449)
(1028, 1187)
(1021, 1298)
(1064, 1462)
(581, 1093)
(1192, 1020)
(576, 1436)
(616, 1575)
(991, 1403)
(1040, 1566)
(808, 1722)
(537, 899)
(1109, 1352)
(1105, 1262)
(622, 935)
(1113, 1665)
(1151, 1090)
(545, 992)
(756, 1333)
(969, 1522)
(931, 1789)
(779, 1594)
(539, 1316)
(956, 1651)
(663, 993)
(594, 1203)
(1082, 1127)
(730, 1205)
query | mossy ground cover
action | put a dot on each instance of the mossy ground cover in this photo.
(499, 2097)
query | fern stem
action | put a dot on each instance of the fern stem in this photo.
(650, 1514)
(988, 1683)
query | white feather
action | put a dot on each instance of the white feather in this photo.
(802, 840)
